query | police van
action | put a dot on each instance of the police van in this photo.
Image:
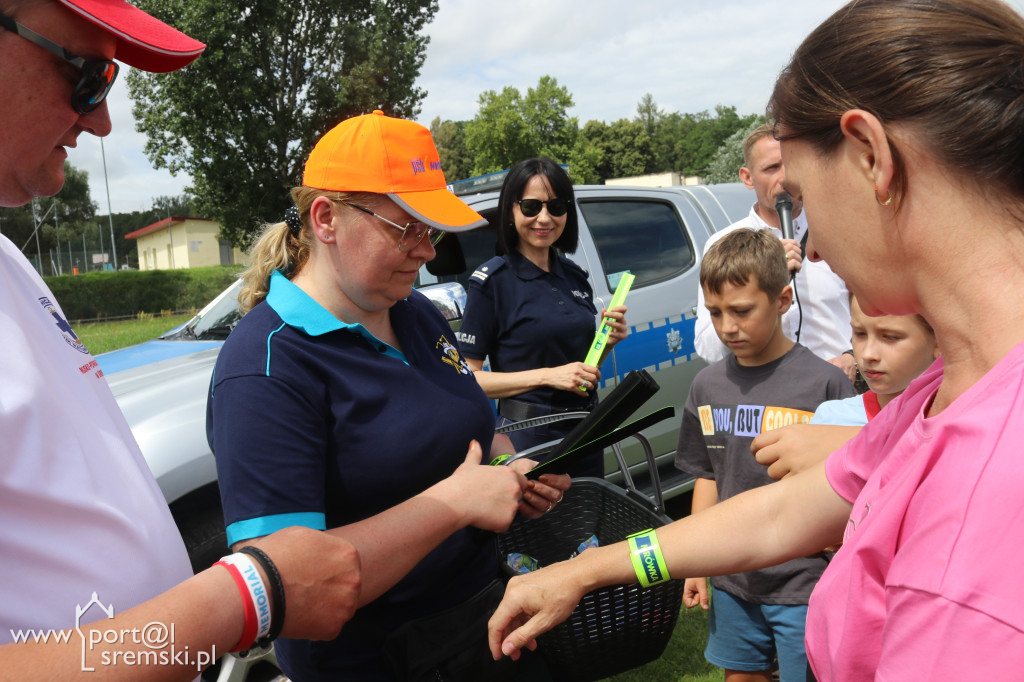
(658, 235)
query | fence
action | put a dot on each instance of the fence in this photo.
(69, 261)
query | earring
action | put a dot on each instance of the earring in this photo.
(880, 202)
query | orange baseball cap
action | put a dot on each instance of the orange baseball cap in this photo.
(392, 156)
(143, 41)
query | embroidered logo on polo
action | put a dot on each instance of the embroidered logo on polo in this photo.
(450, 356)
(580, 294)
(748, 420)
(66, 332)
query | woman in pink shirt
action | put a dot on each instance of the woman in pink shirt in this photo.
(902, 128)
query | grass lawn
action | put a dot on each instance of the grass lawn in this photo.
(100, 337)
(683, 660)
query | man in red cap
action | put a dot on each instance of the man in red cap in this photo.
(82, 522)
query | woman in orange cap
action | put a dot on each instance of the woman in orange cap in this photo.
(341, 402)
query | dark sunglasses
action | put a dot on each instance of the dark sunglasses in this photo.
(556, 207)
(98, 75)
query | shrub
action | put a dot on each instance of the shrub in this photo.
(129, 293)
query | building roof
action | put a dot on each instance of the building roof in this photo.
(164, 224)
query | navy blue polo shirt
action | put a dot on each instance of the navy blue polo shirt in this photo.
(315, 422)
(524, 318)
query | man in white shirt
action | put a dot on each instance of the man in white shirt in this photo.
(820, 317)
(82, 521)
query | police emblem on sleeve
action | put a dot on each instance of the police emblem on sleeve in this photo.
(450, 356)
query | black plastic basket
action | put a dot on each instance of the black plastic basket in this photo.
(614, 628)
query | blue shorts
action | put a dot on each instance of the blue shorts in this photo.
(747, 637)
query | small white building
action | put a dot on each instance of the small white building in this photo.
(655, 180)
(178, 242)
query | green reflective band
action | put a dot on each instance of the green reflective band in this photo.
(648, 561)
(498, 460)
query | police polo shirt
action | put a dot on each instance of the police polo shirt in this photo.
(524, 318)
(315, 422)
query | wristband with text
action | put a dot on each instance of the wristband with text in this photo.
(250, 626)
(648, 561)
(258, 592)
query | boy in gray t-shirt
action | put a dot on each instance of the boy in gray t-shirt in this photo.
(767, 381)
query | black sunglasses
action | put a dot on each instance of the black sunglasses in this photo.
(556, 207)
(97, 74)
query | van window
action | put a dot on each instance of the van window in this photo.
(646, 238)
(460, 253)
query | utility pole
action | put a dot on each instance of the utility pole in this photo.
(110, 211)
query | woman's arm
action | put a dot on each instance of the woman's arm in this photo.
(762, 527)
(508, 384)
(321, 583)
(392, 542)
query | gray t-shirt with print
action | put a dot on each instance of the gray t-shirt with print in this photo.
(729, 404)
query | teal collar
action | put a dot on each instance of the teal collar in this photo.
(298, 310)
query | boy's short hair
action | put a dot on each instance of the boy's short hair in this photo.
(744, 253)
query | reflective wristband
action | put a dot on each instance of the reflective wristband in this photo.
(250, 627)
(648, 561)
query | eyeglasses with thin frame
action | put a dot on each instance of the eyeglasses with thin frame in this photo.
(98, 75)
(557, 207)
(412, 233)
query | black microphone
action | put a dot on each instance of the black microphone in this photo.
(784, 207)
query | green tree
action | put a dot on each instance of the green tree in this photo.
(450, 140)
(509, 127)
(624, 147)
(686, 143)
(496, 137)
(549, 127)
(726, 163)
(648, 114)
(62, 218)
(275, 76)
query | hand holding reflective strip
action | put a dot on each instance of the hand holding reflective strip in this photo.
(601, 338)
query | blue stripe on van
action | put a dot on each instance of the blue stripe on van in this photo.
(651, 345)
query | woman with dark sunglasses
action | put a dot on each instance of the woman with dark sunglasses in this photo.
(531, 311)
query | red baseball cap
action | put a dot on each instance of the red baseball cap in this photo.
(392, 156)
(143, 41)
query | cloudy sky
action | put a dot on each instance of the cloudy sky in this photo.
(689, 55)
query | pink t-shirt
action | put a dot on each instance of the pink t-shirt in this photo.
(927, 584)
